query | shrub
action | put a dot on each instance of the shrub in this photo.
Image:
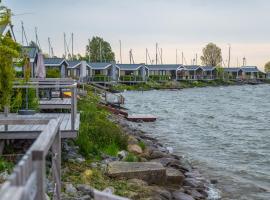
(131, 158)
(97, 133)
(53, 73)
(142, 145)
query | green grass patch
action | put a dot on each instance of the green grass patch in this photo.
(131, 158)
(142, 145)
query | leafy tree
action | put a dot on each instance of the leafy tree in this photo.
(267, 67)
(99, 50)
(33, 44)
(211, 55)
(9, 50)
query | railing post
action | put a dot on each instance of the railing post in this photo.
(39, 166)
(56, 164)
(73, 107)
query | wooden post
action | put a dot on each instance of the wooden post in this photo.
(56, 164)
(73, 107)
(39, 166)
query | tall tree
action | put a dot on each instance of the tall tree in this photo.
(211, 55)
(267, 67)
(99, 50)
(9, 50)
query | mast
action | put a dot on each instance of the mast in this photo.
(71, 46)
(120, 44)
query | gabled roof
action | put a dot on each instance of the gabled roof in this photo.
(191, 67)
(232, 69)
(250, 69)
(73, 63)
(54, 61)
(208, 68)
(7, 29)
(128, 67)
(31, 52)
(164, 67)
(99, 66)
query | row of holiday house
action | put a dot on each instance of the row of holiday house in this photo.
(105, 72)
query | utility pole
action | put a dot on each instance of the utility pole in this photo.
(229, 60)
(71, 46)
(120, 43)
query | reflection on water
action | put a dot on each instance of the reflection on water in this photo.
(225, 131)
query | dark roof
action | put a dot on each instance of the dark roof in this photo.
(129, 66)
(250, 69)
(163, 67)
(30, 51)
(232, 69)
(207, 68)
(191, 67)
(73, 63)
(99, 66)
(54, 61)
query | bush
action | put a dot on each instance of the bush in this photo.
(142, 145)
(131, 158)
(97, 133)
(53, 73)
(5, 165)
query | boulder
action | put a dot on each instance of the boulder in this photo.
(85, 189)
(167, 161)
(161, 193)
(134, 148)
(122, 154)
(174, 176)
(181, 196)
(138, 182)
(150, 172)
(132, 140)
(192, 182)
(195, 194)
(157, 154)
(70, 189)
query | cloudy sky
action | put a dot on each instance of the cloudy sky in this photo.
(186, 25)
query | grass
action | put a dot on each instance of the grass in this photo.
(142, 145)
(76, 174)
(131, 158)
(97, 133)
(5, 165)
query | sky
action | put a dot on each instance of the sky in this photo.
(185, 25)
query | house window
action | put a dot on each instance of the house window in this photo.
(97, 72)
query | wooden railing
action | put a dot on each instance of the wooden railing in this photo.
(27, 180)
(57, 84)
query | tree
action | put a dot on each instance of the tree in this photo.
(99, 50)
(9, 50)
(33, 44)
(267, 67)
(211, 55)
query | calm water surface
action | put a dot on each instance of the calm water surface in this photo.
(224, 131)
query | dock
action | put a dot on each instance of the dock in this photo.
(55, 103)
(141, 118)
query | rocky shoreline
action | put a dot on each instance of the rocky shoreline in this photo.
(185, 182)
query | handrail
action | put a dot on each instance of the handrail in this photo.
(27, 180)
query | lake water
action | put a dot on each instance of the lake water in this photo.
(224, 131)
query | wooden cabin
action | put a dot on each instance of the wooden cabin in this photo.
(243, 73)
(128, 73)
(77, 70)
(196, 72)
(100, 72)
(56, 67)
(163, 72)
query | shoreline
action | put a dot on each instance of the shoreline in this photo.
(173, 85)
(194, 184)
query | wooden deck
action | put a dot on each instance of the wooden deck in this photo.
(32, 131)
(141, 117)
(55, 103)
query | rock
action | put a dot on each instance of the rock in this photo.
(174, 176)
(192, 182)
(214, 181)
(80, 159)
(132, 140)
(167, 161)
(122, 154)
(138, 182)
(134, 148)
(109, 190)
(150, 172)
(85, 197)
(161, 193)
(157, 154)
(195, 194)
(85, 189)
(70, 189)
(181, 196)
(169, 149)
